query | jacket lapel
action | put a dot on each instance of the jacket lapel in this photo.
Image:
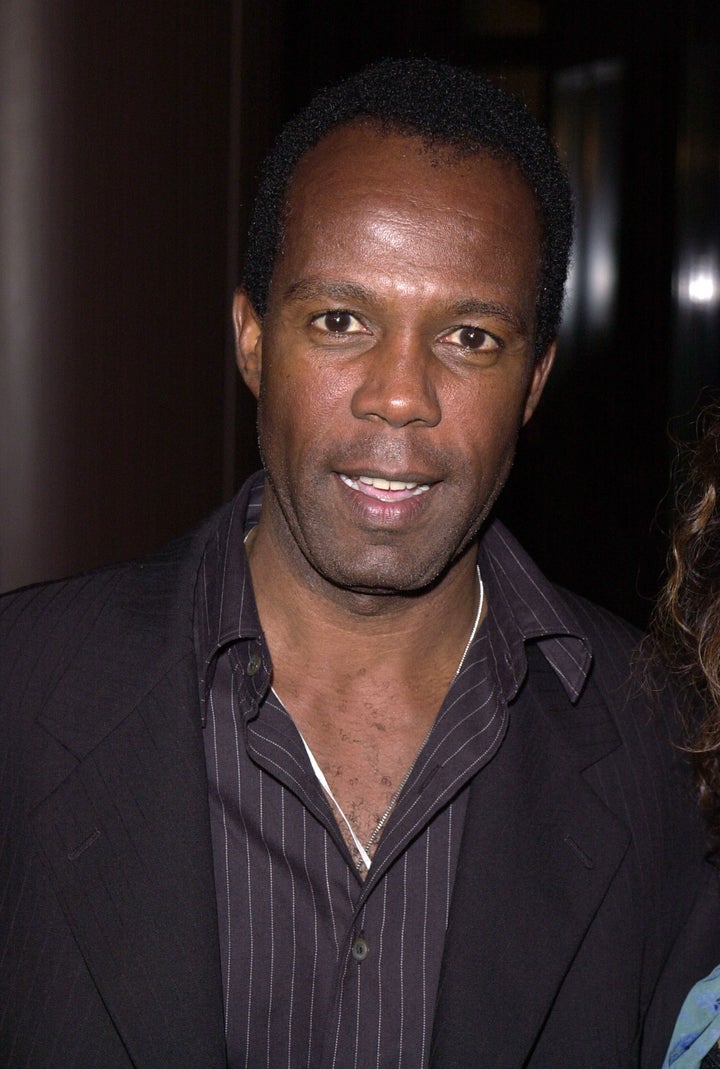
(538, 853)
(127, 835)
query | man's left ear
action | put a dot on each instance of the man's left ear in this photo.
(248, 341)
(538, 378)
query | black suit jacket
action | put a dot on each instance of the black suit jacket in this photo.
(582, 909)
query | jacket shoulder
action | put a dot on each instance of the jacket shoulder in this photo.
(619, 649)
(137, 615)
(602, 625)
(57, 617)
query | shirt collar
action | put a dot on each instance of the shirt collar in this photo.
(523, 606)
(225, 610)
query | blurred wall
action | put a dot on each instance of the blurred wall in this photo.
(114, 179)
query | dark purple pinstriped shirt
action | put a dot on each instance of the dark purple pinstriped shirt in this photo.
(323, 969)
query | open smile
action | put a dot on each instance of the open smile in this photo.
(382, 489)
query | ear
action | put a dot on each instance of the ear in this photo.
(248, 341)
(538, 378)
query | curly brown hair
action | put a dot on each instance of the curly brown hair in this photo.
(686, 621)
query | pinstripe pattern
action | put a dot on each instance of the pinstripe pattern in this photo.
(290, 902)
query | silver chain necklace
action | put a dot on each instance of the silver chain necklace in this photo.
(364, 849)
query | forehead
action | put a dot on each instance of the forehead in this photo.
(369, 188)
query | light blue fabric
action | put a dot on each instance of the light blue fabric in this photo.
(698, 1027)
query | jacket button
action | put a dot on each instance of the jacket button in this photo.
(254, 664)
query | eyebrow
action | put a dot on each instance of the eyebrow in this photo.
(310, 289)
(490, 308)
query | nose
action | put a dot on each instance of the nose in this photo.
(398, 385)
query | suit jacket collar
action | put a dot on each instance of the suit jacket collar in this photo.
(539, 851)
(126, 833)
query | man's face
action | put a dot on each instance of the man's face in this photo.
(394, 366)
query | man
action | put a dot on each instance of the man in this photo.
(341, 779)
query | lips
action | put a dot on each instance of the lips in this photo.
(384, 489)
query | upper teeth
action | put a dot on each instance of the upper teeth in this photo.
(386, 484)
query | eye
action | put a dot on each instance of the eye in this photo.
(338, 321)
(474, 339)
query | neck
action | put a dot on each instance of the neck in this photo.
(332, 629)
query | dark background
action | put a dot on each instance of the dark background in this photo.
(131, 135)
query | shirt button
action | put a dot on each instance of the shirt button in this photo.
(360, 949)
(254, 664)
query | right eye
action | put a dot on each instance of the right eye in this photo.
(338, 321)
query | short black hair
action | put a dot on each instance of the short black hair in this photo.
(446, 106)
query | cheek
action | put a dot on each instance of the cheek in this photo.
(302, 390)
(300, 405)
(487, 423)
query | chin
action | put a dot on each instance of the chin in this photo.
(382, 574)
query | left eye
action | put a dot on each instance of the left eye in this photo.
(338, 322)
(473, 338)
